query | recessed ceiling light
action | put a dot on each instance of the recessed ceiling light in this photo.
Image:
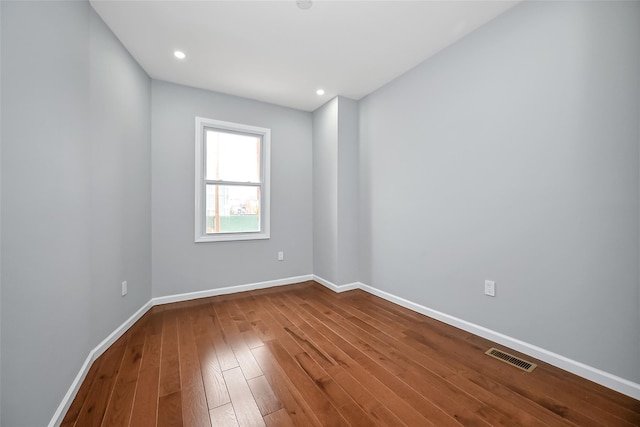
(179, 54)
(304, 4)
(320, 91)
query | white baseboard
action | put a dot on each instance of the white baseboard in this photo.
(93, 355)
(596, 375)
(230, 290)
(56, 420)
(337, 288)
(113, 337)
(71, 393)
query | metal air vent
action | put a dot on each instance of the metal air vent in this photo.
(511, 359)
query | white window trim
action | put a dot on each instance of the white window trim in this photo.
(265, 207)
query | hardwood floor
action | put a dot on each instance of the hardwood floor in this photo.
(302, 355)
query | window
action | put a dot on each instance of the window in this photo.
(232, 181)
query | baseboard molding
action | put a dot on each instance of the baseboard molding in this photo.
(93, 355)
(71, 393)
(56, 420)
(596, 375)
(230, 290)
(113, 337)
(337, 288)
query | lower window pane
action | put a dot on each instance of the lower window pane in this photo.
(232, 209)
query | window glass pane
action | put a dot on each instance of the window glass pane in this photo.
(232, 157)
(232, 209)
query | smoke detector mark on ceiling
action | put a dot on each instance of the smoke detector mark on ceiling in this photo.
(304, 4)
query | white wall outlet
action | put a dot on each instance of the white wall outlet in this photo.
(490, 288)
(124, 288)
(280, 256)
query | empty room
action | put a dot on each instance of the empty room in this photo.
(319, 213)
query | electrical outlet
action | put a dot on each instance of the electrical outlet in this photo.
(490, 288)
(124, 288)
(280, 256)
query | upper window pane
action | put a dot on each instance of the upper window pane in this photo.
(232, 156)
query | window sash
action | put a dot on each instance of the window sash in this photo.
(223, 182)
(226, 217)
(263, 134)
(227, 131)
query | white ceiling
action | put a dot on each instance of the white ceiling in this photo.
(275, 52)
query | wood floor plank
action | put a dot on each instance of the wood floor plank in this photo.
(170, 410)
(195, 412)
(204, 319)
(357, 390)
(214, 384)
(95, 405)
(345, 405)
(226, 357)
(279, 419)
(561, 404)
(365, 398)
(189, 362)
(264, 396)
(118, 412)
(170, 360)
(344, 362)
(145, 402)
(312, 394)
(454, 393)
(277, 324)
(245, 406)
(490, 391)
(303, 355)
(299, 411)
(253, 313)
(241, 350)
(593, 408)
(249, 334)
(155, 322)
(223, 416)
(76, 406)
(516, 379)
(376, 366)
(449, 399)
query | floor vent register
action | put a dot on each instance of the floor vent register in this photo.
(511, 359)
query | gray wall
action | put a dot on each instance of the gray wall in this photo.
(335, 191)
(325, 191)
(121, 181)
(513, 156)
(75, 198)
(179, 264)
(0, 211)
(348, 182)
(46, 237)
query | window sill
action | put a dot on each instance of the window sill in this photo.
(231, 237)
